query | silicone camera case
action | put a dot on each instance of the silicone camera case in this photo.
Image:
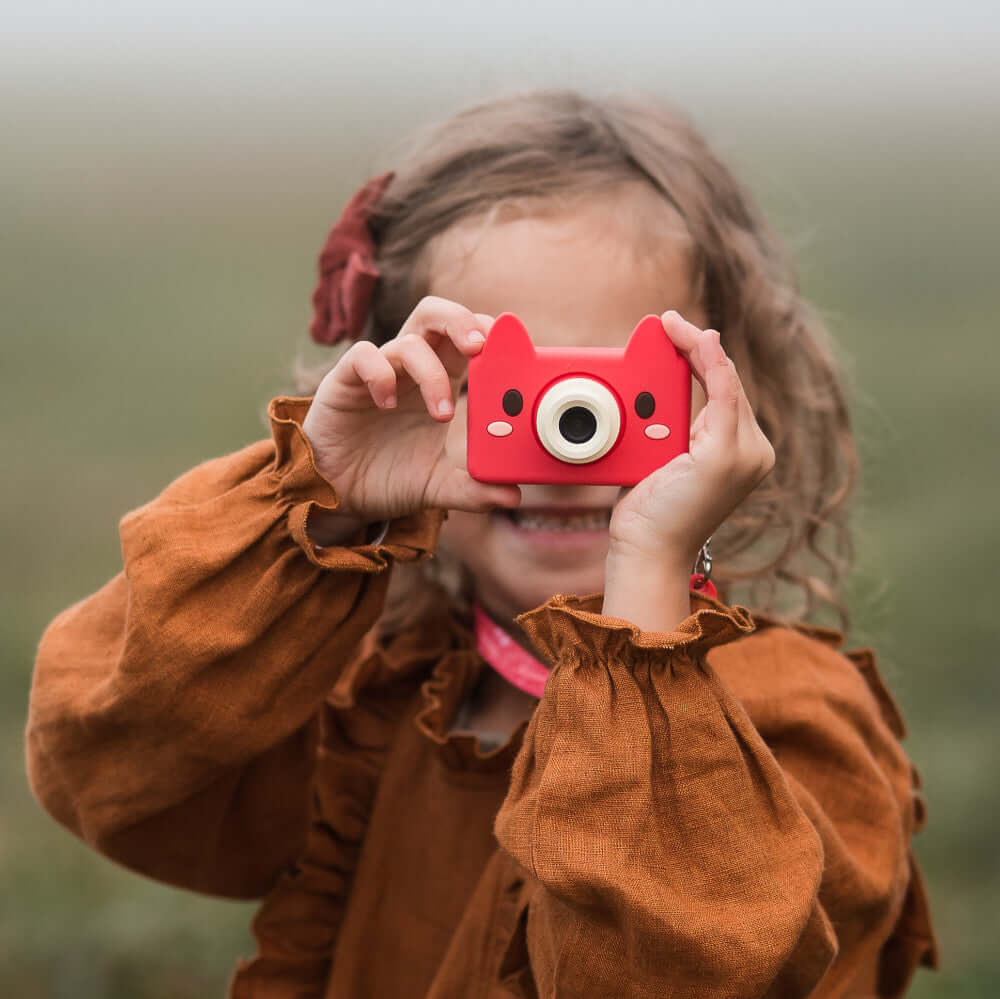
(584, 415)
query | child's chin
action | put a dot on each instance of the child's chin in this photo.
(535, 568)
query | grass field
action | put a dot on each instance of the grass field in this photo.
(155, 287)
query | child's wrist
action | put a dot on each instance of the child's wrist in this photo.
(653, 594)
(330, 528)
(674, 560)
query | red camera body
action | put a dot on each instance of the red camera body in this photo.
(584, 415)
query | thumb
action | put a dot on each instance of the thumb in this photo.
(482, 497)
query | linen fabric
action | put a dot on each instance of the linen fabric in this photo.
(724, 810)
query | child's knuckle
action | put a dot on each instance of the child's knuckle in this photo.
(361, 349)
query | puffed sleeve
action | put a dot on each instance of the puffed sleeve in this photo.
(174, 714)
(670, 851)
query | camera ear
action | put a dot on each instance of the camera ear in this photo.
(649, 339)
(508, 338)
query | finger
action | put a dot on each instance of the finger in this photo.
(752, 452)
(769, 457)
(749, 428)
(481, 497)
(686, 337)
(712, 352)
(487, 324)
(369, 365)
(722, 386)
(703, 348)
(435, 318)
(415, 356)
(459, 490)
(452, 359)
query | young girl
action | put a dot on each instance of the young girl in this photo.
(544, 761)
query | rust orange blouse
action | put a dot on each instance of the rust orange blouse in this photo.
(720, 811)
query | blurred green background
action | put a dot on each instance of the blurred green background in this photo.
(168, 178)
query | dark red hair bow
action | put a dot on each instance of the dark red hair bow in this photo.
(347, 271)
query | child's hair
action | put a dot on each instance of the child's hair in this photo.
(791, 535)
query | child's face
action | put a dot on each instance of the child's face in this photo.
(577, 279)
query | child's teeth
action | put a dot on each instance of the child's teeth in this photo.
(588, 522)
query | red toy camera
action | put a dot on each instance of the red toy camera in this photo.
(584, 415)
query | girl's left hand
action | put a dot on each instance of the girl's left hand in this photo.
(670, 514)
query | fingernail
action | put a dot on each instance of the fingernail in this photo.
(390, 401)
(476, 337)
(444, 407)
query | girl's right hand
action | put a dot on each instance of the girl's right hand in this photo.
(381, 427)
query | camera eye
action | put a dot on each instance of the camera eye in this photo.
(512, 402)
(645, 404)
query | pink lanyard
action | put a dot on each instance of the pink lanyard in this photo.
(519, 666)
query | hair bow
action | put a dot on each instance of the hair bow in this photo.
(347, 271)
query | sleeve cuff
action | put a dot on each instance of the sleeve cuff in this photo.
(302, 487)
(571, 622)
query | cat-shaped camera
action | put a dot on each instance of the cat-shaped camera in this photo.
(583, 415)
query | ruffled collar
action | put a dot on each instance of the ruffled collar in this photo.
(452, 679)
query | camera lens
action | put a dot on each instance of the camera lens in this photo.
(578, 425)
(578, 419)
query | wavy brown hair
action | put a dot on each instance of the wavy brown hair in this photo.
(787, 548)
